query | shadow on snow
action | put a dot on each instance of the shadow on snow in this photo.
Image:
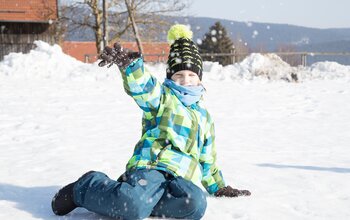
(315, 168)
(37, 202)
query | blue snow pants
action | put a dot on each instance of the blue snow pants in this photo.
(140, 194)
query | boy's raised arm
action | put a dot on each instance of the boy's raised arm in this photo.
(137, 81)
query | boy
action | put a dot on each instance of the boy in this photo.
(176, 152)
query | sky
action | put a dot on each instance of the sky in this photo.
(308, 13)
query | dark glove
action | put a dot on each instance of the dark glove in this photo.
(117, 55)
(228, 191)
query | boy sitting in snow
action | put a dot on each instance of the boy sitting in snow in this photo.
(176, 152)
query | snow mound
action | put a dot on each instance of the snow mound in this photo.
(270, 66)
(323, 70)
(329, 70)
(46, 61)
(255, 66)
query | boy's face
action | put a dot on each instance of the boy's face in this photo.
(186, 78)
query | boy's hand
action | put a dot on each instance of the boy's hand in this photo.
(117, 55)
(228, 191)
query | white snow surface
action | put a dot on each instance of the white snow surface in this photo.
(288, 143)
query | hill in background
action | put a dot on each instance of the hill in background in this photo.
(260, 37)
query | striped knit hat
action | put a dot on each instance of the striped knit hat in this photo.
(184, 53)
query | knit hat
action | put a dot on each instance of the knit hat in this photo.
(184, 53)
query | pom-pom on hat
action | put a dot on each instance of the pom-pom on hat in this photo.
(183, 53)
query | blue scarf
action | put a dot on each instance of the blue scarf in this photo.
(188, 95)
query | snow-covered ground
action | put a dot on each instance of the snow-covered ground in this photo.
(288, 143)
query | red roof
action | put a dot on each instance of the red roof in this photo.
(28, 10)
(87, 52)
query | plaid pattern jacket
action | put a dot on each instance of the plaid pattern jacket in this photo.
(175, 138)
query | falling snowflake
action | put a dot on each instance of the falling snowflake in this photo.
(178, 60)
(249, 24)
(255, 33)
(142, 182)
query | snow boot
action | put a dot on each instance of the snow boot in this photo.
(62, 203)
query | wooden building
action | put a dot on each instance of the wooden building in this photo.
(24, 21)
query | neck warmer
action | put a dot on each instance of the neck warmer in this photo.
(188, 95)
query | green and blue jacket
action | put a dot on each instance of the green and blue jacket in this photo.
(175, 138)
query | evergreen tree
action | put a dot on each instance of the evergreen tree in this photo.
(217, 41)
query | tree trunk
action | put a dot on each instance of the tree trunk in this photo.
(105, 23)
(134, 27)
(98, 27)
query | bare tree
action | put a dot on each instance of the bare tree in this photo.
(149, 14)
(131, 12)
(61, 25)
(143, 17)
(146, 17)
(88, 15)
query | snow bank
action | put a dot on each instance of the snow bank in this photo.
(255, 66)
(327, 70)
(47, 61)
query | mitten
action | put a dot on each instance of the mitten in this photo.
(228, 191)
(117, 55)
